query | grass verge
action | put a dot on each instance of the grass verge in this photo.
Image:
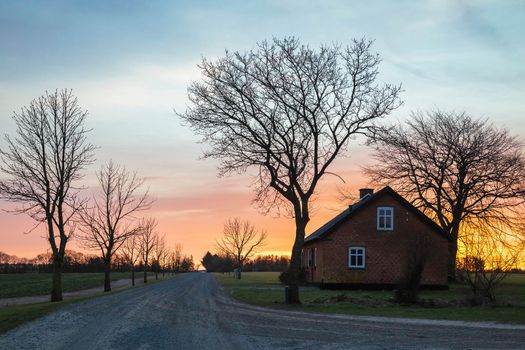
(16, 315)
(264, 289)
(29, 284)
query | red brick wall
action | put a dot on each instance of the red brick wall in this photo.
(387, 252)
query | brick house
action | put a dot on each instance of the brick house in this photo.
(371, 243)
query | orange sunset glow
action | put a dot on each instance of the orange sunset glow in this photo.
(196, 218)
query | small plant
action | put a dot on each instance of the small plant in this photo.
(487, 261)
(408, 287)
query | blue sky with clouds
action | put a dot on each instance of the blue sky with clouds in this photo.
(129, 62)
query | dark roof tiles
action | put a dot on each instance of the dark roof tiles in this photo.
(326, 228)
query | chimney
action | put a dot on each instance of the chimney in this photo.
(365, 191)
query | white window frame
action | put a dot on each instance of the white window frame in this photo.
(360, 251)
(385, 216)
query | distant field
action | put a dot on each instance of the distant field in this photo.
(29, 284)
(264, 289)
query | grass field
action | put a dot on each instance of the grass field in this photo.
(13, 316)
(264, 289)
(29, 284)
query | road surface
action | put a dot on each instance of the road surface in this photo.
(192, 312)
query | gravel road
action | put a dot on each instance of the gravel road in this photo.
(192, 312)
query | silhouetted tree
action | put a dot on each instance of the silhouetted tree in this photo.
(147, 242)
(131, 252)
(159, 251)
(217, 263)
(459, 170)
(109, 222)
(485, 262)
(176, 257)
(43, 162)
(288, 111)
(241, 241)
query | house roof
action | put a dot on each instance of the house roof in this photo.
(364, 202)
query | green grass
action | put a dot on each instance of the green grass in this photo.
(29, 284)
(13, 316)
(264, 289)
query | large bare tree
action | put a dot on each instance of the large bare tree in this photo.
(241, 241)
(148, 237)
(461, 171)
(109, 221)
(287, 111)
(43, 163)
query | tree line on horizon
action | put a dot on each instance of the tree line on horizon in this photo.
(219, 262)
(285, 112)
(75, 261)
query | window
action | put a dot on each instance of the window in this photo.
(356, 257)
(385, 218)
(311, 253)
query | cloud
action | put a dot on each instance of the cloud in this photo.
(473, 18)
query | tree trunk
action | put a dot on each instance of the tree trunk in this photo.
(452, 253)
(239, 269)
(56, 289)
(145, 274)
(107, 279)
(132, 277)
(157, 272)
(295, 261)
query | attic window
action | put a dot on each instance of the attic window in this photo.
(385, 218)
(356, 257)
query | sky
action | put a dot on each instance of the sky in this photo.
(130, 62)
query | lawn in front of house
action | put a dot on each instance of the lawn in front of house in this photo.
(13, 285)
(264, 289)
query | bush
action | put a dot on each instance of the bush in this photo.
(284, 277)
(409, 283)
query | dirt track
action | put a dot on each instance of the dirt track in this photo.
(191, 312)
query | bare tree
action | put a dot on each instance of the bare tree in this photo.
(159, 251)
(147, 242)
(131, 253)
(456, 168)
(486, 261)
(241, 241)
(109, 222)
(43, 162)
(177, 257)
(287, 111)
